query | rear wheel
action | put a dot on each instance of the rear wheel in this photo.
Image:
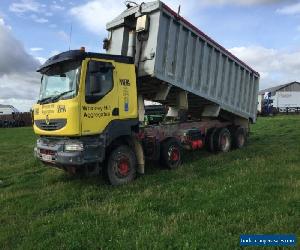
(222, 140)
(171, 154)
(209, 142)
(121, 166)
(239, 137)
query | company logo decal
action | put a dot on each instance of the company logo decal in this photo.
(125, 82)
(61, 109)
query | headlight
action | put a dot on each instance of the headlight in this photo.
(74, 146)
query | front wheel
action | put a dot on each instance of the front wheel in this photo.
(121, 166)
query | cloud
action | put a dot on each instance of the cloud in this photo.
(54, 52)
(95, 14)
(19, 86)
(2, 23)
(24, 105)
(240, 2)
(16, 58)
(275, 66)
(48, 14)
(38, 19)
(57, 7)
(42, 60)
(52, 25)
(37, 9)
(63, 36)
(18, 79)
(36, 49)
(25, 6)
(292, 9)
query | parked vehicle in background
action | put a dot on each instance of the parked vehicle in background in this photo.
(91, 112)
(7, 110)
(280, 99)
(281, 102)
(287, 102)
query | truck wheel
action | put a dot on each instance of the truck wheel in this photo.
(171, 154)
(121, 166)
(222, 140)
(239, 137)
(209, 139)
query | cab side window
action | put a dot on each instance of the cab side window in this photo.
(99, 81)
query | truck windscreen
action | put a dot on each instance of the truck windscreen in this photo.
(60, 81)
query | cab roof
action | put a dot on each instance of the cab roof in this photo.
(75, 55)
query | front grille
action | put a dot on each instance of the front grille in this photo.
(53, 124)
(47, 152)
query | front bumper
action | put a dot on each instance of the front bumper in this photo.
(52, 151)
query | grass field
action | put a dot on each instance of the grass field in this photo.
(206, 204)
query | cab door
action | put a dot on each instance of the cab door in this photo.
(100, 102)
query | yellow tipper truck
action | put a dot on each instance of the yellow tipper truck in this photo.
(91, 115)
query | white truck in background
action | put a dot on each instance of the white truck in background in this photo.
(283, 100)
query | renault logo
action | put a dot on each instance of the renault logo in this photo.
(47, 120)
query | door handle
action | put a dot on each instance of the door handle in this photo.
(115, 112)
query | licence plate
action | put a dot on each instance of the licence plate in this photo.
(47, 158)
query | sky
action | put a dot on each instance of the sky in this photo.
(263, 33)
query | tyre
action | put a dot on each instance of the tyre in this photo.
(239, 137)
(121, 166)
(171, 154)
(209, 139)
(222, 140)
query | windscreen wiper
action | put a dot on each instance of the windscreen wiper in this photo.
(55, 98)
(45, 99)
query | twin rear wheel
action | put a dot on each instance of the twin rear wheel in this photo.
(239, 136)
(223, 139)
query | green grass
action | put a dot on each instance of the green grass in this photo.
(206, 204)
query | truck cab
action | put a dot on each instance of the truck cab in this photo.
(86, 101)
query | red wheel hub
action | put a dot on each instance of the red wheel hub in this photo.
(123, 167)
(174, 154)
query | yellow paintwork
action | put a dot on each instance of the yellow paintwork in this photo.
(90, 119)
(95, 117)
(71, 114)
